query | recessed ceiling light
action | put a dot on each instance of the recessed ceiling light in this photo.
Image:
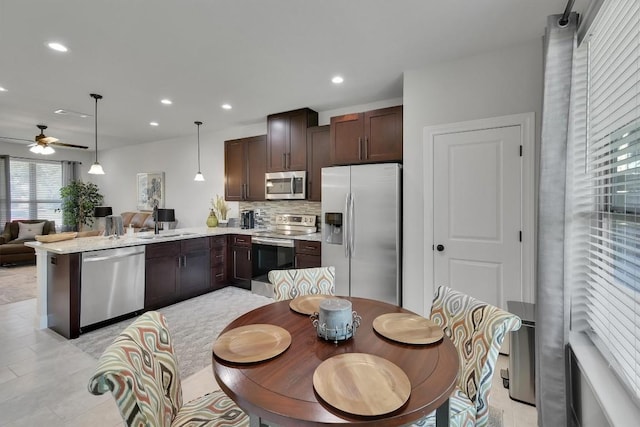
(57, 46)
(153, 123)
(337, 79)
(166, 101)
(226, 106)
(2, 89)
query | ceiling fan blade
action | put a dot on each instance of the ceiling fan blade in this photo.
(63, 144)
(16, 139)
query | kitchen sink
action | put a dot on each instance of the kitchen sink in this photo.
(162, 236)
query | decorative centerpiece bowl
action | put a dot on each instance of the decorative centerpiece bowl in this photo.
(336, 321)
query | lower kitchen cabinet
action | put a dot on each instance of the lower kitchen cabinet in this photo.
(194, 271)
(240, 267)
(63, 294)
(218, 262)
(175, 271)
(308, 254)
(161, 274)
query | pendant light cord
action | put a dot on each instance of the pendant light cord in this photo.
(95, 116)
(198, 124)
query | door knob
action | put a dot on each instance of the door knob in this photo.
(440, 248)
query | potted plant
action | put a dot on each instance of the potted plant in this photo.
(220, 209)
(78, 201)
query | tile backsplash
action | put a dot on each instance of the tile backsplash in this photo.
(271, 208)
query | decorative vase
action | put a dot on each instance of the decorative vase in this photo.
(212, 221)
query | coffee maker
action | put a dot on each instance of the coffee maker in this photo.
(247, 219)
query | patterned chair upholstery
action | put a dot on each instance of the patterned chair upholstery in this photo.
(289, 284)
(141, 371)
(477, 329)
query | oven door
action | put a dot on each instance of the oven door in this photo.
(285, 185)
(270, 254)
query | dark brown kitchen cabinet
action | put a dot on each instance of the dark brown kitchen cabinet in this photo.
(63, 294)
(161, 274)
(218, 262)
(369, 137)
(318, 157)
(287, 139)
(240, 267)
(245, 162)
(308, 254)
(175, 271)
(194, 271)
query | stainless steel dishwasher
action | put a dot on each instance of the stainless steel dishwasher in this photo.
(111, 284)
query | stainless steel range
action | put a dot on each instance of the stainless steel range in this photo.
(274, 249)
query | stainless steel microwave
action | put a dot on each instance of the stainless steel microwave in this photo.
(289, 185)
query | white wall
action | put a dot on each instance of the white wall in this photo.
(498, 83)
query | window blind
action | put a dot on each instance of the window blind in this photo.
(35, 189)
(604, 226)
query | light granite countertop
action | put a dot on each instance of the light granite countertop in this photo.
(86, 244)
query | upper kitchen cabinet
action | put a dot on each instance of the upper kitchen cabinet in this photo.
(287, 139)
(317, 158)
(369, 137)
(245, 163)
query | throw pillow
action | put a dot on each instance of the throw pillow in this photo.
(29, 231)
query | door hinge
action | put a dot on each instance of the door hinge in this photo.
(520, 235)
(521, 151)
(433, 248)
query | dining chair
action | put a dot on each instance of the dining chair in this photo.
(289, 284)
(477, 330)
(141, 371)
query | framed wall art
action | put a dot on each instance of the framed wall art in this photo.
(150, 190)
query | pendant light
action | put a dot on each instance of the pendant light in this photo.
(199, 176)
(96, 169)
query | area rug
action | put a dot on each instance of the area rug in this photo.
(194, 325)
(18, 283)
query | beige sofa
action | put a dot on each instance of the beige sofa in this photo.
(138, 220)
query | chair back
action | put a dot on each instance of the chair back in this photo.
(289, 284)
(141, 371)
(477, 330)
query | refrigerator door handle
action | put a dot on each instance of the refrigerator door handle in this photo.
(346, 225)
(352, 226)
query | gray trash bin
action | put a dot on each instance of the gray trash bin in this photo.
(522, 359)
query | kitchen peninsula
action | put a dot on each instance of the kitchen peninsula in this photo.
(171, 266)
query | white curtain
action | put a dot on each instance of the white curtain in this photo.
(552, 313)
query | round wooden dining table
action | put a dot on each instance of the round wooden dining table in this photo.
(281, 391)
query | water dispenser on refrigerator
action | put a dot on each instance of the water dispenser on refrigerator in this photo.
(332, 228)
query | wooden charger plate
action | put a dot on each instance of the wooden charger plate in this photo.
(252, 343)
(362, 384)
(307, 304)
(407, 328)
(56, 237)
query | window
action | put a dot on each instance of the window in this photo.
(605, 199)
(35, 190)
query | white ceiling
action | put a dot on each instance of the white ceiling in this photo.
(261, 56)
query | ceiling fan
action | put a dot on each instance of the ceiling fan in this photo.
(43, 143)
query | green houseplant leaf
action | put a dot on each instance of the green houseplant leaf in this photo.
(78, 201)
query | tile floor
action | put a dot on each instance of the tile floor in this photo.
(43, 380)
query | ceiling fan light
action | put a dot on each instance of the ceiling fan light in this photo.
(96, 169)
(199, 177)
(48, 150)
(36, 149)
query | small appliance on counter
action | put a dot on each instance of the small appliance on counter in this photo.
(247, 219)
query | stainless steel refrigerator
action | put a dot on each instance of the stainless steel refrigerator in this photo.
(362, 229)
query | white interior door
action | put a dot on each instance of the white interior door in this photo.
(477, 207)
